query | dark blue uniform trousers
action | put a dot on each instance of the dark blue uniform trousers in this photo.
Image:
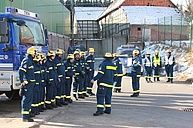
(118, 85)
(169, 72)
(135, 83)
(49, 94)
(27, 100)
(63, 92)
(89, 84)
(35, 102)
(58, 92)
(104, 95)
(77, 86)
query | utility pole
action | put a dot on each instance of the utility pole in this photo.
(72, 21)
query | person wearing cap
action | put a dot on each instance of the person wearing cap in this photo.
(148, 67)
(60, 69)
(90, 61)
(105, 79)
(27, 79)
(119, 73)
(169, 65)
(51, 80)
(69, 72)
(156, 62)
(136, 73)
(36, 91)
(77, 85)
(85, 69)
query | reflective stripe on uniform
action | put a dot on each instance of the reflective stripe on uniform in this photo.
(68, 97)
(101, 72)
(37, 72)
(31, 67)
(67, 77)
(43, 81)
(51, 79)
(111, 67)
(50, 68)
(37, 83)
(106, 85)
(60, 75)
(32, 80)
(77, 73)
(57, 97)
(136, 91)
(88, 88)
(156, 76)
(108, 105)
(147, 76)
(119, 74)
(58, 64)
(22, 69)
(100, 106)
(138, 75)
(80, 93)
(117, 87)
(25, 112)
(33, 105)
(53, 100)
(25, 81)
(48, 102)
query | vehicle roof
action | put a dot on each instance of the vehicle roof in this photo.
(17, 16)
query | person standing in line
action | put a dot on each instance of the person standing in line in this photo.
(27, 79)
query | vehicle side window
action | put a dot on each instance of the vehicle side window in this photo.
(26, 35)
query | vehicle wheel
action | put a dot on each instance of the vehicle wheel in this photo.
(13, 95)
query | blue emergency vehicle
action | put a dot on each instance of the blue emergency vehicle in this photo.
(19, 30)
(125, 54)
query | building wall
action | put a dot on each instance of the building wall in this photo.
(163, 3)
(160, 33)
(116, 23)
(53, 14)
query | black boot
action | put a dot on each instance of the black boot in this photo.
(168, 80)
(150, 80)
(158, 79)
(135, 95)
(97, 113)
(147, 80)
(28, 120)
(154, 79)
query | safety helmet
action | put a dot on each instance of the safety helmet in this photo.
(168, 51)
(91, 50)
(156, 51)
(51, 53)
(32, 51)
(59, 51)
(82, 54)
(135, 51)
(115, 55)
(108, 55)
(76, 52)
(70, 56)
(37, 57)
(148, 53)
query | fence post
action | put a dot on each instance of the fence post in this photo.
(181, 32)
(164, 31)
(171, 30)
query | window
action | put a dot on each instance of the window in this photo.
(139, 28)
(26, 35)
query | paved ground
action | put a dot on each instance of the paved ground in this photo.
(159, 106)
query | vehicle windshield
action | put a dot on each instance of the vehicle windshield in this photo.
(30, 34)
(125, 52)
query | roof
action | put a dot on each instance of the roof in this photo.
(88, 13)
(115, 5)
(151, 14)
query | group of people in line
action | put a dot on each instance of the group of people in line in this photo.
(46, 79)
(154, 64)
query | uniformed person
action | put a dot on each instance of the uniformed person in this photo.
(36, 90)
(51, 80)
(119, 73)
(90, 61)
(85, 69)
(77, 85)
(136, 73)
(169, 65)
(61, 90)
(43, 83)
(148, 67)
(70, 72)
(105, 80)
(27, 79)
(157, 63)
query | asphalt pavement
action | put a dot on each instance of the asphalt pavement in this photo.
(160, 105)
